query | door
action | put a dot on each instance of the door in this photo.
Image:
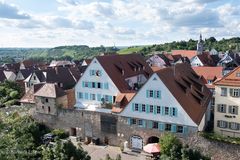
(136, 142)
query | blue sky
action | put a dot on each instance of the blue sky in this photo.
(49, 23)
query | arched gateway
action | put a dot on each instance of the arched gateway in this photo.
(153, 139)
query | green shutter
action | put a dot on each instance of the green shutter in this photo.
(83, 84)
(129, 121)
(144, 123)
(155, 109)
(185, 129)
(140, 107)
(86, 95)
(161, 126)
(147, 93)
(154, 94)
(160, 94)
(99, 97)
(163, 110)
(106, 86)
(171, 111)
(176, 112)
(173, 128)
(110, 99)
(149, 124)
(133, 107)
(147, 108)
(90, 84)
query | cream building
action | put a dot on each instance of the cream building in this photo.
(227, 102)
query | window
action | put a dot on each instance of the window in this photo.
(158, 109)
(98, 73)
(168, 127)
(235, 92)
(85, 84)
(174, 111)
(43, 107)
(140, 122)
(233, 109)
(223, 91)
(212, 102)
(92, 72)
(209, 81)
(34, 77)
(158, 94)
(150, 93)
(221, 108)
(155, 125)
(179, 129)
(151, 109)
(238, 74)
(49, 109)
(136, 107)
(93, 96)
(222, 124)
(80, 95)
(134, 121)
(233, 126)
(166, 110)
(98, 85)
(46, 100)
(143, 108)
(93, 85)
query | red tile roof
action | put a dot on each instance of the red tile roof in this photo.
(185, 53)
(209, 73)
(120, 67)
(188, 89)
(231, 79)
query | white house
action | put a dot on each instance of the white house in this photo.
(173, 100)
(107, 77)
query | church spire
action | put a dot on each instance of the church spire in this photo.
(200, 45)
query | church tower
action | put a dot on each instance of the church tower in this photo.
(200, 45)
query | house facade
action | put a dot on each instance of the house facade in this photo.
(226, 113)
(168, 103)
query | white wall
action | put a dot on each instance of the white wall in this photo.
(195, 61)
(19, 76)
(155, 60)
(167, 99)
(31, 82)
(113, 90)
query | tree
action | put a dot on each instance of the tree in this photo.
(170, 145)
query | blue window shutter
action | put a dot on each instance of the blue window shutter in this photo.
(171, 111)
(96, 84)
(83, 84)
(90, 96)
(160, 94)
(99, 97)
(155, 109)
(86, 95)
(90, 72)
(147, 108)
(90, 84)
(110, 99)
(133, 107)
(101, 85)
(161, 126)
(163, 110)
(105, 85)
(129, 121)
(140, 107)
(176, 112)
(173, 128)
(144, 124)
(149, 124)
(185, 129)
(154, 94)
(147, 93)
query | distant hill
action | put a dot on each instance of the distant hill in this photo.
(210, 43)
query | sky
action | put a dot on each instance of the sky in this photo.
(50, 23)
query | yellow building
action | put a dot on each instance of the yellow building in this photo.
(227, 102)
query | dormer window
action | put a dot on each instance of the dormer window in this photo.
(34, 77)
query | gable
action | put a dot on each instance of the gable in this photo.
(167, 100)
(196, 61)
(107, 85)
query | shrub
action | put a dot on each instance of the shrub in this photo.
(60, 133)
(220, 138)
(14, 94)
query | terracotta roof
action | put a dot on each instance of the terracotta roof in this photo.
(122, 99)
(50, 90)
(120, 67)
(188, 89)
(155, 69)
(231, 79)
(185, 53)
(209, 73)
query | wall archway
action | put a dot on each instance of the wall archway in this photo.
(153, 139)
